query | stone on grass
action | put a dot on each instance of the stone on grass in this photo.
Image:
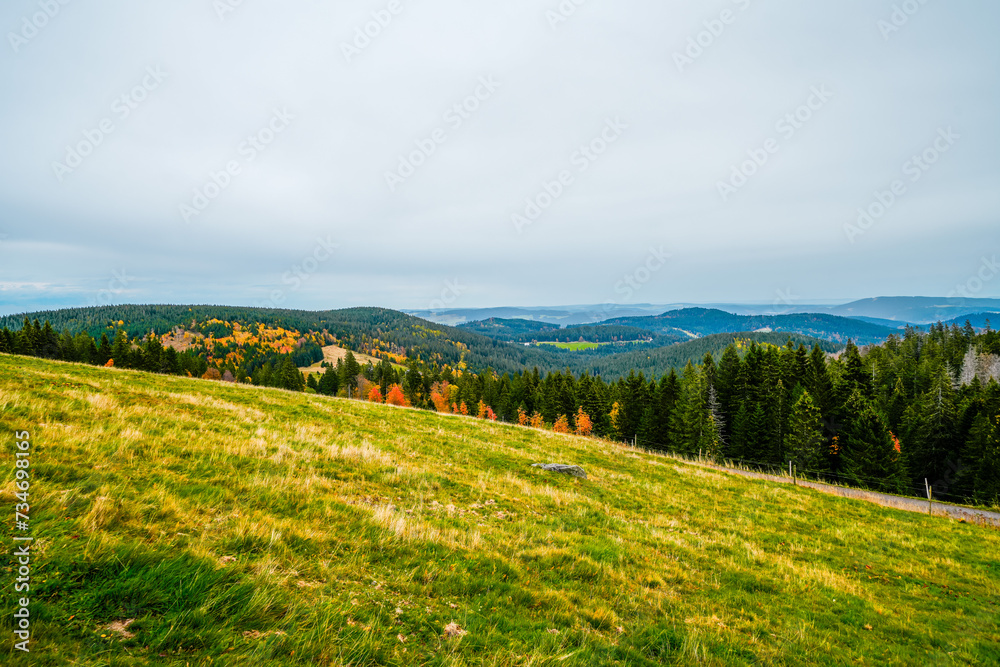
(576, 471)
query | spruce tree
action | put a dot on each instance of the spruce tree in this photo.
(349, 371)
(104, 351)
(804, 441)
(329, 383)
(868, 452)
(928, 429)
(690, 417)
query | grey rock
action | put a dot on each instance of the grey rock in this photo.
(576, 471)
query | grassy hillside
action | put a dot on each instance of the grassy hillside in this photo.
(239, 525)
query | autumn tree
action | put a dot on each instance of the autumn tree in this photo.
(583, 423)
(522, 416)
(396, 396)
(440, 393)
(561, 425)
(375, 394)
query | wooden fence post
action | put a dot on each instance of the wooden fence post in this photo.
(928, 488)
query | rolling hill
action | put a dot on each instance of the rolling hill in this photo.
(181, 521)
(705, 321)
(399, 338)
(657, 361)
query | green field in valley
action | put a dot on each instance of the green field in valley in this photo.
(573, 346)
(187, 522)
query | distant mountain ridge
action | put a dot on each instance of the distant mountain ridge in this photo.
(708, 321)
(896, 309)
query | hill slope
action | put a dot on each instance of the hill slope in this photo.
(706, 321)
(256, 526)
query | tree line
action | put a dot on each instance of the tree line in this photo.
(921, 406)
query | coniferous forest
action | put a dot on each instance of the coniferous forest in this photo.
(921, 406)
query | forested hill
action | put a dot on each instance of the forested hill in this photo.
(242, 340)
(379, 332)
(526, 331)
(507, 329)
(706, 321)
(657, 361)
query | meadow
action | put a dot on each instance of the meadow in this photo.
(190, 522)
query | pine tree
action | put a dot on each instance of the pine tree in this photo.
(984, 450)
(48, 342)
(655, 430)
(690, 416)
(728, 388)
(868, 452)
(329, 383)
(713, 443)
(103, 351)
(928, 429)
(121, 351)
(805, 441)
(289, 376)
(349, 371)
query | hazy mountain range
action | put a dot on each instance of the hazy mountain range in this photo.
(893, 312)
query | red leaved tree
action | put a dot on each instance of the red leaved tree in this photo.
(396, 397)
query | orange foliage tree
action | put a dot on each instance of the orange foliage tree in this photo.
(463, 408)
(375, 395)
(212, 374)
(537, 421)
(486, 412)
(396, 397)
(111, 362)
(522, 417)
(583, 423)
(561, 425)
(440, 394)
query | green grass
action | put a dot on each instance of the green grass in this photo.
(573, 346)
(250, 526)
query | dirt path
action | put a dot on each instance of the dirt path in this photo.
(968, 514)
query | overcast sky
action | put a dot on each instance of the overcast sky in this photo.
(200, 151)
